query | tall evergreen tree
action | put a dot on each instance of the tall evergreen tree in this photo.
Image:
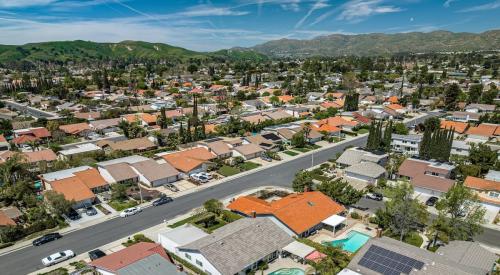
(387, 136)
(188, 132)
(182, 134)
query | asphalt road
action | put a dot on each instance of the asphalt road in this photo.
(28, 259)
(29, 110)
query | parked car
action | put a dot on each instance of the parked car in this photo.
(73, 215)
(202, 179)
(58, 257)
(90, 211)
(374, 196)
(206, 175)
(47, 238)
(431, 201)
(362, 208)
(172, 187)
(162, 200)
(266, 158)
(130, 211)
(96, 254)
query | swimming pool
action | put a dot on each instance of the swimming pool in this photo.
(288, 271)
(354, 241)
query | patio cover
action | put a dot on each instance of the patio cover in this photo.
(334, 220)
(316, 256)
(299, 249)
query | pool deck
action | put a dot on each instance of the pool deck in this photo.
(286, 263)
(327, 236)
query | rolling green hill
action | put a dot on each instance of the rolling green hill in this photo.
(380, 44)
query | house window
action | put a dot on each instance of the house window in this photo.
(199, 263)
(494, 194)
(187, 256)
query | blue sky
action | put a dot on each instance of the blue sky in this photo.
(206, 25)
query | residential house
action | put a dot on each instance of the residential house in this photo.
(10, 215)
(277, 115)
(460, 148)
(482, 132)
(458, 127)
(78, 149)
(120, 170)
(132, 145)
(172, 239)
(90, 116)
(339, 122)
(190, 161)
(270, 142)
(353, 156)
(248, 151)
(487, 190)
(406, 144)
(389, 256)
(105, 125)
(253, 105)
(143, 119)
(480, 108)
(79, 184)
(4, 144)
(367, 172)
(299, 214)
(255, 119)
(140, 258)
(155, 174)
(464, 117)
(395, 110)
(24, 136)
(220, 148)
(429, 178)
(80, 129)
(337, 104)
(237, 248)
(35, 157)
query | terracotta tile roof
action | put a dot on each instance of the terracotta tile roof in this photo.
(188, 160)
(24, 139)
(395, 107)
(130, 144)
(41, 132)
(147, 118)
(485, 130)
(73, 189)
(36, 156)
(337, 104)
(335, 95)
(299, 212)
(497, 131)
(327, 128)
(6, 220)
(482, 184)
(255, 118)
(88, 115)
(393, 99)
(2, 139)
(362, 119)
(459, 127)
(91, 178)
(73, 129)
(337, 121)
(120, 259)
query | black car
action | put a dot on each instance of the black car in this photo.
(162, 200)
(47, 238)
(431, 201)
(90, 211)
(96, 254)
(73, 215)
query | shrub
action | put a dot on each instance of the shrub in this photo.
(355, 215)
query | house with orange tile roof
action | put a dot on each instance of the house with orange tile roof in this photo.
(41, 155)
(392, 99)
(340, 122)
(337, 104)
(300, 213)
(81, 129)
(484, 131)
(140, 258)
(143, 119)
(190, 161)
(6, 220)
(24, 136)
(395, 110)
(487, 190)
(79, 184)
(458, 127)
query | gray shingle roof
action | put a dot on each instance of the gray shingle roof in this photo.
(233, 247)
(416, 138)
(469, 254)
(152, 265)
(368, 169)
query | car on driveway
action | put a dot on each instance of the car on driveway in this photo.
(58, 257)
(172, 187)
(96, 254)
(431, 201)
(266, 158)
(130, 211)
(375, 196)
(206, 175)
(90, 211)
(73, 215)
(162, 200)
(47, 238)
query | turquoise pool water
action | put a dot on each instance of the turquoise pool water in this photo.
(354, 241)
(288, 271)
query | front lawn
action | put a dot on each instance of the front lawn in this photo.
(291, 153)
(209, 221)
(302, 150)
(363, 131)
(227, 171)
(137, 238)
(187, 220)
(413, 238)
(314, 146)
(245, 166)
(121, 205)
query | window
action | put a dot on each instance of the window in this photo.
(494, 194)
(199, 263)
(187, 256)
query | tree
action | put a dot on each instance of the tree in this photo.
(351, 102)
(298, 139)
(303, 181)
(400, 128)
(405, 213)
(192, 68)
(162, 120)
(387, 137)
(461, 209)
(481, 155)
(488, 97)
(433, 123)
(340, 191)
(118, 192)
(475, 92)
(58, 203)
(451, 94)
(5, 127)
(213, 206)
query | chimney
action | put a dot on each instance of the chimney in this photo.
(254, 214)
(379, 233)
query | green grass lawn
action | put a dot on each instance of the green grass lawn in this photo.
(413, 238)
(314, 146)
(363, 131)
(291, 153)
(227, 171)
(187, 220)
(302, 150)
(120, 205)
(248, 165)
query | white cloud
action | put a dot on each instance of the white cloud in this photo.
(320, 4)
(447, 3)
(291, 6)
(484, 7)
(208, 10)
(357, 10)
(24, 3)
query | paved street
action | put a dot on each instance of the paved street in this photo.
(28, 259)
(30, 111)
